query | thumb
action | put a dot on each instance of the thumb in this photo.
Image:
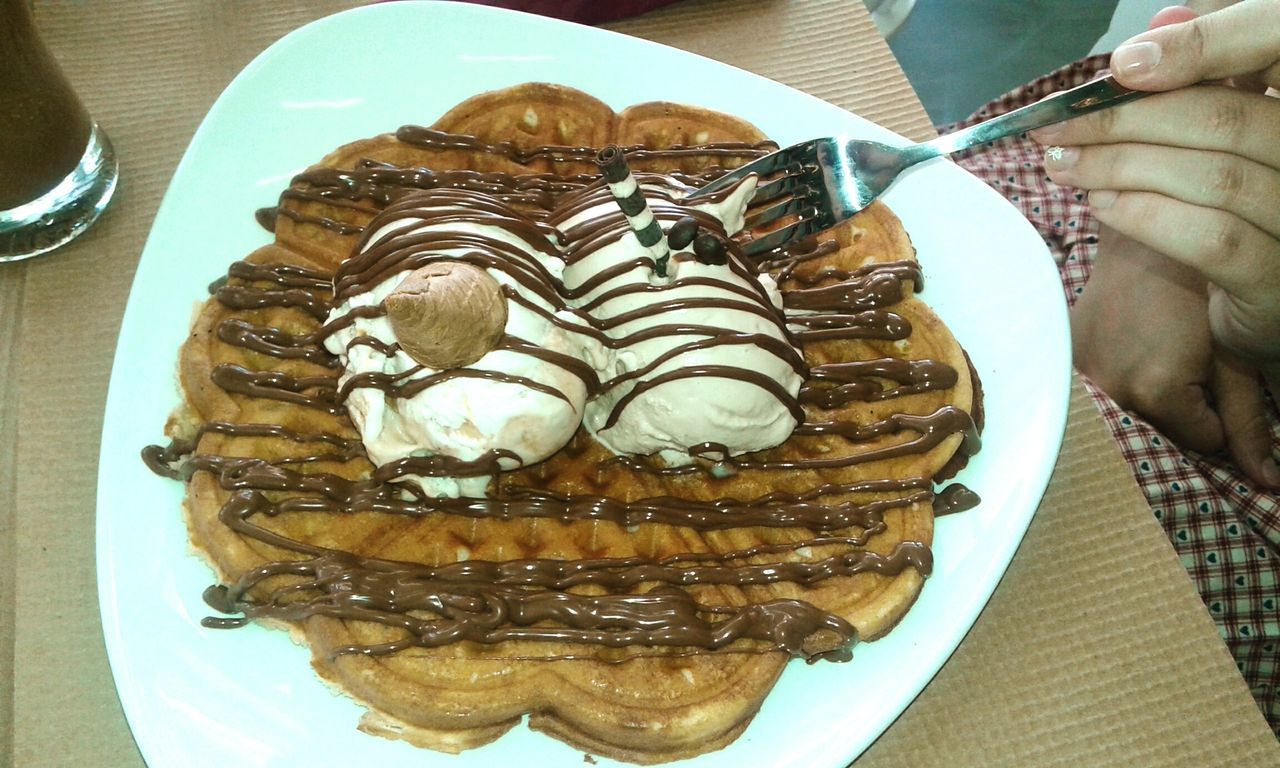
(1235, 41)
(1244, 419)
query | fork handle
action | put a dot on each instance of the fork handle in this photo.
(1081, 100)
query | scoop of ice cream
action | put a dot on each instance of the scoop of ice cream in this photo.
(525, 395)
(447, 314)
(703, 357)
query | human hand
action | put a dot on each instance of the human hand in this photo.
(1140, 332)
(1194, 173)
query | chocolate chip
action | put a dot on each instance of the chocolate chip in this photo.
(709, 249)
(682, 233)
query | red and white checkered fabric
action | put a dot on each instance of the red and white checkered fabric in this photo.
(1225, 529)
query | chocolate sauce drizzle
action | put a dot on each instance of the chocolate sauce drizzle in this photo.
(532, 599)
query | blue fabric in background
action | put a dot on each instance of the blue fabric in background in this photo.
(960, 54)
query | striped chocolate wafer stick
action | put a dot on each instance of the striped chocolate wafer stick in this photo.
(623, 186)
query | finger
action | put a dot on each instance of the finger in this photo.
(1183, 413)
(1233, 41)
(1250, 331)
(1270, 77)
(1244, 419)
(1211, 117)
(1174, 14)
(1254, 82)
(1212, 179)
(1229, 251)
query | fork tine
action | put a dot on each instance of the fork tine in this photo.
(764, 166)
(783, 236)
(726, 180)
(788, 207)
(778, 186)
(770, 163)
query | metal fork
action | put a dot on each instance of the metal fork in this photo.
(821, 182)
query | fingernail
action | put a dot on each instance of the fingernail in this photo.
(1061, 158)
(1136, 58)
(1102, 198)
(1048, 132)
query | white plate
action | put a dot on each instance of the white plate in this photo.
(197, 697)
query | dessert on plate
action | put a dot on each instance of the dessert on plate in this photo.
(502, 425)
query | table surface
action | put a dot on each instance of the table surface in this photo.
(1095, 649)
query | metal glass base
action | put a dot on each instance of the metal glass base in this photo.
(65, 211)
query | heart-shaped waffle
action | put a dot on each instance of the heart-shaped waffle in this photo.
(452, 619)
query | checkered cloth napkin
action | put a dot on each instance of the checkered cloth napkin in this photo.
(1225, 529)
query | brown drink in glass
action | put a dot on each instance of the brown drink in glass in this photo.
(57, 168)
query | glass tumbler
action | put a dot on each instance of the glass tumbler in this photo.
(57, 168)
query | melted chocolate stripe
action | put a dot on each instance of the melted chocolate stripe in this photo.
(676, 305)
(430, 138)
(421, 248)
(374, 343)
(274, 385)
(384, 184)
(273, 342)
(343, 496)
(858, 380)
(385, 592)
(590, 379)
(282, 274)
(585, 239)
(475, 586)
(769, 344)
(341, 227)
(160, 458)
(932, 429)
(670, 619)
(680, 282)
(620, 342)
(389, 383)
(243, 297)
(878, 290)
(872, 324)
(623, 574)
(414, 386)
(278, 343)
(767, 383)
